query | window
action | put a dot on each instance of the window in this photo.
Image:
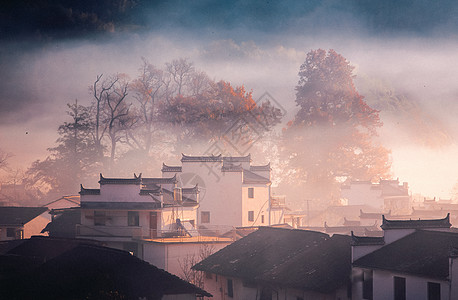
(99, 218)
(133, 218)
(262, 219)
(205, 217)
(399, 288)
(230, 288)
(11, 232)
(434, 291)
(251, 216)
(250, 192)
(368, 284)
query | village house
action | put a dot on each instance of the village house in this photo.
(21, 222)
(233, 192)
(56, 268)
(278, 263)
(152, 218)
(384, 196)
(415, 259)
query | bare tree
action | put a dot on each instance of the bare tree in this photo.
(4, 157)
(180, 71)
(193, 276)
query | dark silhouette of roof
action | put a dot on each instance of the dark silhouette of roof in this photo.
(323, 268)
(160, 180)
(413, 224)
(78, 269)
(366, 240)
(136, 180)
(64, 223)
(120, 205)
(18, 216)
(422, 253)
(84, 191)
(296, 258)
(260, 168)
(166, 168)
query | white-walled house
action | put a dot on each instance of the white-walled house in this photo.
(234, 192)
(150, 217)
(385, 195)
(21, 222)
(414, 260)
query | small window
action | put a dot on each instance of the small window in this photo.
(250, 192)
(399, 288)
(230, 288)
(262, 219)
(133, 218)
(251, 216)
(99, 218)
(205, 217)
(434, 291)
(368, 284)
(11, 232)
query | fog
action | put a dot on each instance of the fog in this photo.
(262, 51)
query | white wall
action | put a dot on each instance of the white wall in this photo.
(416, 287)
(172, 256)
(362, 193)
(259, 205)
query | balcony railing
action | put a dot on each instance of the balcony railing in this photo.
(172, 235)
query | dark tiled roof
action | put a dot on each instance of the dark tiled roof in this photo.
(402, 224)
(166, 168)
(232, 168)
(121, 205)
(322, 268)
(193, 190)
(85, 191)
(371, 215)
(422, 253)
(160, 180)
(64, 223)
(260, 168)
(237, 158)
(366, 240)
(18, 216)
(211, 158)
(259, 252)
(157, 191)
(81, 269)
(136, 180)
(250, 177)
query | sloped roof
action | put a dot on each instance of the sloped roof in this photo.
(366, 240)
(323, 268)
(64, 224)
(166, 168)
(414, 224)
(136, 180)
(259, 252)
(86, 269)
(250, 177)
(210, 158)
(160, 180)
(18, 216)
(121, 205)
(260, 168)
(422, 253)
(84, 191)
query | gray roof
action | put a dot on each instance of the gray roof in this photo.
(295, 258)
(18, 216)
(136, 180)
(422, 253)
(121, 205)
(250, 177)
(416, 224)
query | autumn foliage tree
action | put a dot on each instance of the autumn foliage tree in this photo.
(333, 135)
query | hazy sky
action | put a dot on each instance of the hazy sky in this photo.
(52, 51)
